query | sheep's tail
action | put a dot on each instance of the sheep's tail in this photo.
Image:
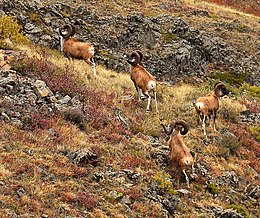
(151, 85)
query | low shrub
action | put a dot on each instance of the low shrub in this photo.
(241, 210)
(10, 29)
(213, 188)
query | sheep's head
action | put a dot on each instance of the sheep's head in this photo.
(180, 126)
(220, 89)
(134, 58)
(68, 30)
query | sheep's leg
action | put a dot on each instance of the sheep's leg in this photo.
(156, 104)
(92, 65)
(94, 68)
(141, 95)
(91, 62)
(214, 121)
(192, 169)
(210, 121)
(204, 125)
(61, 43)
(187, 178)
(139, 91)
(149, 102)
(200, 115)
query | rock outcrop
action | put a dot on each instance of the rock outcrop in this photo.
(24, 97)
(173, 49)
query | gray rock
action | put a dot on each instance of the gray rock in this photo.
(64, 100)
(83, 156)
(31, 28)
(41, 89)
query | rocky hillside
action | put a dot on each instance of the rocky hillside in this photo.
(75, 145)
(174, 48)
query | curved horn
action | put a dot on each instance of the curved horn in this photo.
(67, 31)
(218, 84)
(140, 55)
(185, 128)
(172, 126)
(220, 89)
(134, 59)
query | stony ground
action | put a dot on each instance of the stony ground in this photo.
(77, 146)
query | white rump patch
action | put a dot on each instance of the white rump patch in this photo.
(151, 85)
(199, 105)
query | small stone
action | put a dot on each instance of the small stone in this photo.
(41, 89)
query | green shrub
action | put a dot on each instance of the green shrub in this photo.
(10, 29)
(231, 77)
(213, 188)
(36, 18)
(252, 91)
(240, 210)
(169, 37)
(254, 130)
(164, 181)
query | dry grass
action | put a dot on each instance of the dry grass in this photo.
(220, 9)
(47, 176)
(48, 183)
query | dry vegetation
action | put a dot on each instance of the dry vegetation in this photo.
(37, 179)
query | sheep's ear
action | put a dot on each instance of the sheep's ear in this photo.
(133, 60)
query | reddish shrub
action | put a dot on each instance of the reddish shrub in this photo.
(249, 142)
(86, 200)
(68, 197)
(134, 193)
(244, 6)
(130, 161)
(39, 121)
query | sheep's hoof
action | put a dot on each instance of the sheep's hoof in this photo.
(147, 110)
(206, 141)
(193, 176)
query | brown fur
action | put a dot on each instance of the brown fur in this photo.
(79, 50)
(179, 153)
(141, 78)
(208, 105)
(76, 49)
